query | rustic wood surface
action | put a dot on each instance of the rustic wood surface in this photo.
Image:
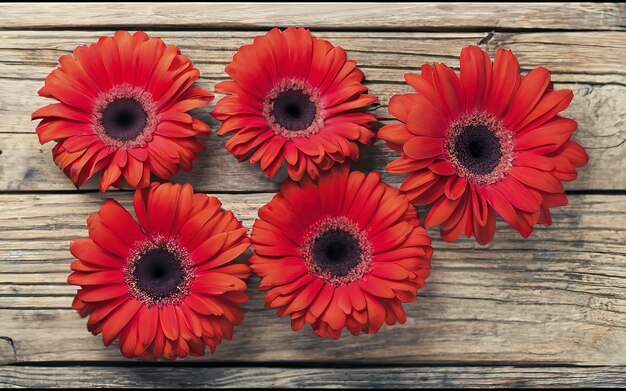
(545, 311)
(434, 16)
(600, 108)
(263, 376)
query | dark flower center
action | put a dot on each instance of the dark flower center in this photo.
(337, 252)
(159, 273)
(478, 149)
(293, 110)
(124, 119)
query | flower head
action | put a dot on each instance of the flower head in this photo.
(168, 286)
(123, 111)
(294, 99)
(344, 253)
(485, 141)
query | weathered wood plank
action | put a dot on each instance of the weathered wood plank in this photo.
(277, 377)
(7, 351)
(26, 57)
(589, 57)
(26, 165)
(558, 297)
(414, 17)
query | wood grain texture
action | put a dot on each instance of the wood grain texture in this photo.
(548, 311)
(558, 297)
(423, 16)
(589, 63)
(584, 57)
(273, 377)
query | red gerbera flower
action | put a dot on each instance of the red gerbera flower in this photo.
(344, 253)
(485, 141)
(123, 111)
(295, 99)
(167, 286)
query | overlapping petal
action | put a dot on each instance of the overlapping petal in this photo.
(543, 155)
(294, 54)
(167, 213)
(400, 248)
(90, 73)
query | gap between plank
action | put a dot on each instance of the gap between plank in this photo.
(300, 364)
(263, 28)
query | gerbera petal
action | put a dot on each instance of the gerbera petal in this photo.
(114, 216)
(440, 211)
(484, 233)
(455, 187)
(88, 251)
(449, 87)
(390, 271)
(475, 76)
(549, 106)
(423, 147)
(423, 120)
(554, 132)
(423, 86)
(106, 238)
(53, 129)
(396, 135)
(169, 322)
(102, 293)
(518, 194)
(149, 320)
(504, 83)
(229, 254)
(162, 205)
(376, 287)
(375, 313)
(334, 316)
(538, 179)
(531, 89)
(575, 154)
(97, 277)
(506, 210)
(118, 319)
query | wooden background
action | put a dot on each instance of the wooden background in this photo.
(546, 311)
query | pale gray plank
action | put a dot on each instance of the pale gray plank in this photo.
(277, 377)
(557, 297)
(394, 16)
